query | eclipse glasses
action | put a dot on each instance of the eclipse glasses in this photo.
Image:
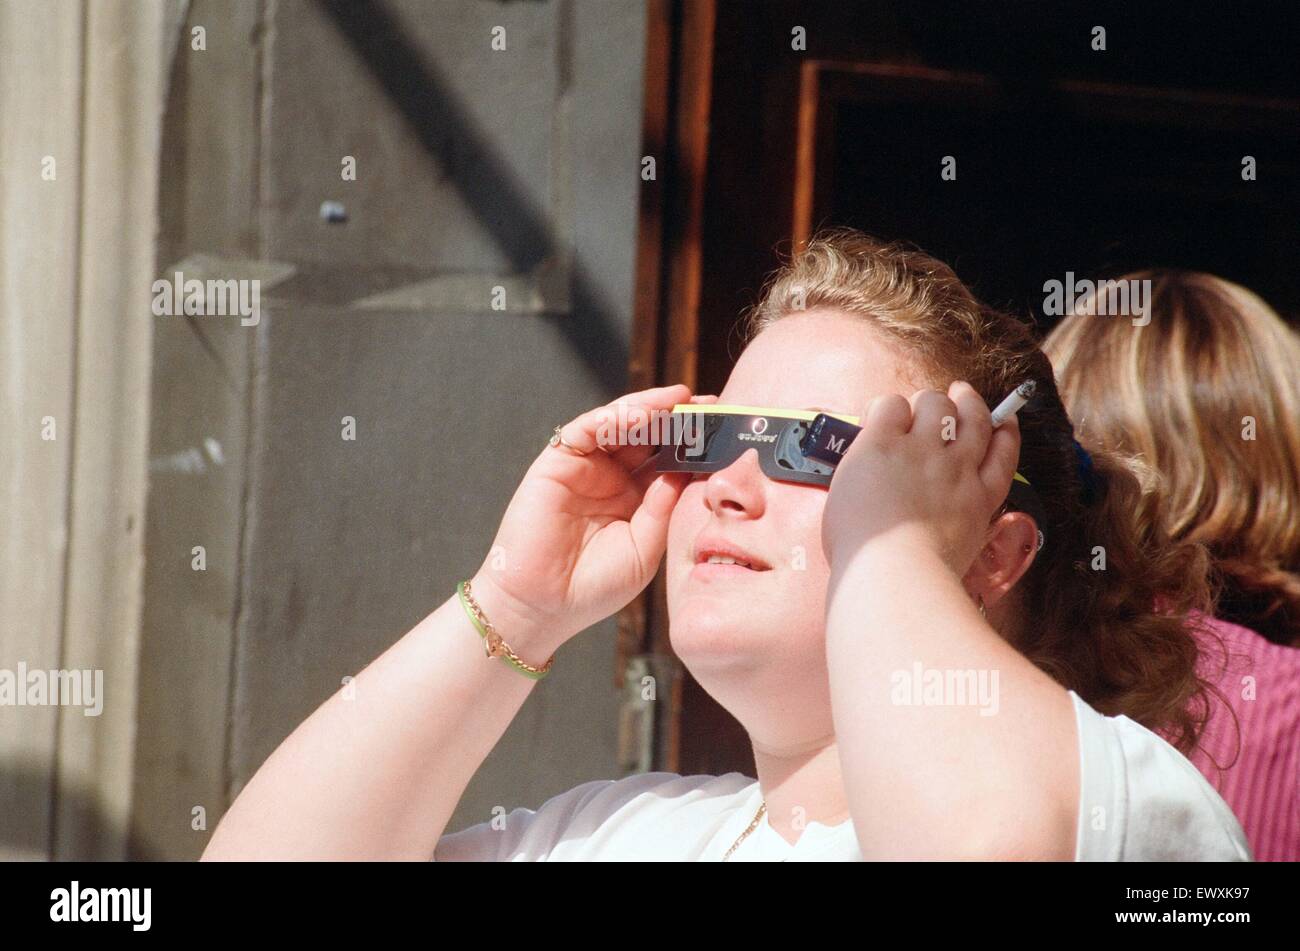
(800, 446)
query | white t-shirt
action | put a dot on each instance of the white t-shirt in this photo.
(1139, 800)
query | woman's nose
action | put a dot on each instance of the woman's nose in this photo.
(738, 488)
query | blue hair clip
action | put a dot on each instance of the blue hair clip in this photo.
(1086, 474)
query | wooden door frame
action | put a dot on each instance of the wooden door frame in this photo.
(665, 331)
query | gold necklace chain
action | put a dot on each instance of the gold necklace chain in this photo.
(752, 826)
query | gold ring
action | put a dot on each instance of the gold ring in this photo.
(559, 440)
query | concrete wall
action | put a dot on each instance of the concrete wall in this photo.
(80, 97)
(475, 169)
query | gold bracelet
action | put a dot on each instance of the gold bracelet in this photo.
(493, 644)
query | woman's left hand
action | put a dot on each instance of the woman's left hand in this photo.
(929, 472)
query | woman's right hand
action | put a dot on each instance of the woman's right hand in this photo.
(582, 535)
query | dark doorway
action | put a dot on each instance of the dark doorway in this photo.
(1093, 179)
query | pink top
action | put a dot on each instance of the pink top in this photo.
(1261, 779)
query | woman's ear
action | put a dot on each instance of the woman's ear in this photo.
(1009, 550)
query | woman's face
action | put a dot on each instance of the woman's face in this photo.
(769, 623)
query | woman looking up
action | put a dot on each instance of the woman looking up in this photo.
(910, 564)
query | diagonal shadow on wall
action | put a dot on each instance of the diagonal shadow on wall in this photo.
(417, 88)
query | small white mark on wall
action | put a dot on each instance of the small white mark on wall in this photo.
(190, 461)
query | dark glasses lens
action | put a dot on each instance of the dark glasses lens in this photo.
(696, 437)
(788, 455)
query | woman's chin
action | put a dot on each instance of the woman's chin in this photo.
(708, 638)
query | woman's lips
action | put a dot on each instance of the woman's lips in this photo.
(704, 571)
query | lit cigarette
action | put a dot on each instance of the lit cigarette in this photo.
(1013, 403)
